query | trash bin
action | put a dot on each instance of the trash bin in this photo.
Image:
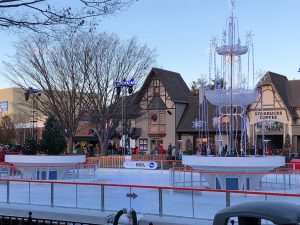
(251, 213)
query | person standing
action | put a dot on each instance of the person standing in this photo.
(174, 153)
(114, 149)
(161, 150)
(180, 153)
(109, 149)
(98, 150)
(85, 150)
(137, 150)
(169, 151)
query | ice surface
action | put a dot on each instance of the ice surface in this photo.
(175, 203)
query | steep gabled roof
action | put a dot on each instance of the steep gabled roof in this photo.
(132, 108)
(294, 92)
(281, 85)
(172, 81)
(191, 113)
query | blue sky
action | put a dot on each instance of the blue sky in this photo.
(181, 30)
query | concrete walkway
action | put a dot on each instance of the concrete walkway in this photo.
(91, 216)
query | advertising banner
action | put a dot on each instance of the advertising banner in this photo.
(148, 165)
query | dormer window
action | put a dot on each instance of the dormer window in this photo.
(156, 91)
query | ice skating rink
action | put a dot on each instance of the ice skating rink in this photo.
(110, 190)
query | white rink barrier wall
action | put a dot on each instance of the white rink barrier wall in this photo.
(268, 181)
(155, 200)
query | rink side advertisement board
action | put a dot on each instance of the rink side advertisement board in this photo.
(148, 165)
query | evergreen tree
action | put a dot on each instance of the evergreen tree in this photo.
(7, 131)
(287, 143)
(30, 146)
(53, 141)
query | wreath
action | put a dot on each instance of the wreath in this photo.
(154, 117)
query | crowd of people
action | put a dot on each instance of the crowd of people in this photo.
(172, 152)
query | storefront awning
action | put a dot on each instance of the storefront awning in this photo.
(85, 138)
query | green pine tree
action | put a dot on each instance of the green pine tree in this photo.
(7, 131)
(30, 146)
(53, 141)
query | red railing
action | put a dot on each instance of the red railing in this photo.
(113, 199)
(153, 187)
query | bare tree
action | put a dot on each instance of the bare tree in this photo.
(202, 82)
(114, 61)
(38, 14)
(76, 75)
(60, 71)
(195, 85)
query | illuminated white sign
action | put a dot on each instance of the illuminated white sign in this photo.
(269, 115)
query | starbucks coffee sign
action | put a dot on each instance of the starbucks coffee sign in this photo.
(270, 115)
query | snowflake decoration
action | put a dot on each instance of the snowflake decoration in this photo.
(197, 124)
(247, 124)
(270, 124)
(215, 121)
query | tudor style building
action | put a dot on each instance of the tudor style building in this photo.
(279, 105)
(163, 98)
(168, 109)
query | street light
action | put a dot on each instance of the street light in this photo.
(31, 92)
(124, 87)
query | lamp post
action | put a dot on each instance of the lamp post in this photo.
(32, 92)
(124, 87)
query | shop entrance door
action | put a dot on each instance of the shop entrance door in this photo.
(298, 143)
(275, 141)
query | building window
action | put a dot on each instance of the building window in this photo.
(156, 91)
(156, 87)
(157, 122)
(143, 143)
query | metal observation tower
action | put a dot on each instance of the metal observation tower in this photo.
(230, 90)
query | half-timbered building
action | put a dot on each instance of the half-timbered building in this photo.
(168, 109)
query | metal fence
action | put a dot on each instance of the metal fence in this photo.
(282, 179)
(117, 161)
(157, 200)
(17, 220)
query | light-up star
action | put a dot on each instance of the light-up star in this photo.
(232, 4)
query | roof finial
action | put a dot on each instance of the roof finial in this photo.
(232, 5)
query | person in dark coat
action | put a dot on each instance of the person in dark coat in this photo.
(169, 151)
(109, 148)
